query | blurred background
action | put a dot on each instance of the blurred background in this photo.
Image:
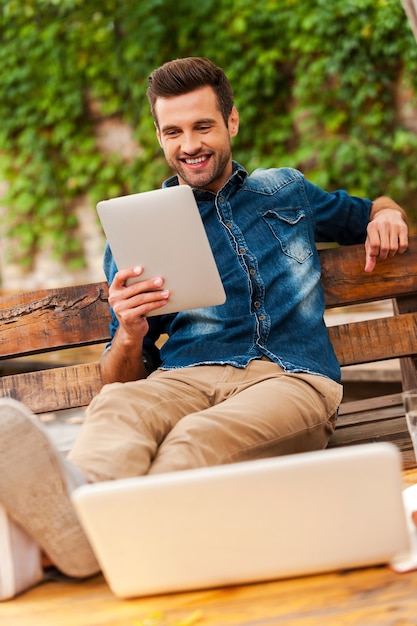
(327, 87)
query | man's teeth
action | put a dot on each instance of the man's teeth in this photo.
(195, 161)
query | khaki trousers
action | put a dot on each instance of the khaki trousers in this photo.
(201, 416)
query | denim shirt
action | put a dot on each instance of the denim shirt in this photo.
(262, 229)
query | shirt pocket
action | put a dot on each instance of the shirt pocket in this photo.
(289, 227)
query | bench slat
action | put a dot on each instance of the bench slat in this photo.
(375, 340)
(48, 320)
(372, 404)
(362, 411)
(345, 281)
(54, 389)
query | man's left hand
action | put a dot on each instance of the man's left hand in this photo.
(387, 232)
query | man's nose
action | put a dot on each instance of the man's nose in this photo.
(191, 143)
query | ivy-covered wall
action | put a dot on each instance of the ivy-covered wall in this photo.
(327, 87)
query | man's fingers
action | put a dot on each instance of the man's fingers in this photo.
(383, 241)
(370, 263)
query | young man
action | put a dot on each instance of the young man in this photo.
(252, 378)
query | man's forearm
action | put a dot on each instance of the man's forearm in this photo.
(122, 362)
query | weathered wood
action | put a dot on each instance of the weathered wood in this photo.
(375, 340)
(391, 402)
(402, 306)
(345, 281)
(54, 389)
(375, 419)
(44, 320)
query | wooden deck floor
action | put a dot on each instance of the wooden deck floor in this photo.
(373, 596)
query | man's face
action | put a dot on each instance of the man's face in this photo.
(195, 139)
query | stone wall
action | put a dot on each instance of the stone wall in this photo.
(112, 136)
(48, 272)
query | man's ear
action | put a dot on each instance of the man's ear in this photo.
(233, 122)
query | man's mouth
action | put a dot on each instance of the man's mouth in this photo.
(196, 160)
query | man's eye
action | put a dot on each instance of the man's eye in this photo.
(204, 127)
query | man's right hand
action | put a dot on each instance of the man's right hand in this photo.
(131, 303)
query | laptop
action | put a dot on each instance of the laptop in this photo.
(247, 522)
(162, 231)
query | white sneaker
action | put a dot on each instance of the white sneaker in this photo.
(35, 485)
(20, 559)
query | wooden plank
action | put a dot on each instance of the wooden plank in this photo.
(43, 320)
(54, 389)
(394, 431)
(391, 400)
(408, 365)
(385, 429)
(375, 340)
(375, 419)
(345, 282)
(371, 415)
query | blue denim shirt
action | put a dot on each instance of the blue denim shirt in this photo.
(262, 229)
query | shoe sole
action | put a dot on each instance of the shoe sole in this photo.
(20, 559)
(34, 492)
(7, 586)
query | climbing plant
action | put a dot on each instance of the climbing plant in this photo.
(318, 85)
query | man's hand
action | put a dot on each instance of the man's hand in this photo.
(387, 232)
(131, 303)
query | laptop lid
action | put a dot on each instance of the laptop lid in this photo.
(247, 522)
(162, 231)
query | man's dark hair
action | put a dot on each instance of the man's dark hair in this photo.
(178, 77)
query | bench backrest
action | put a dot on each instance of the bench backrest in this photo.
(45, 320)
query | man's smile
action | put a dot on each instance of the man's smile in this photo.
(196, 160)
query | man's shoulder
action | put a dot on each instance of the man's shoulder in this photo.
(272, 179)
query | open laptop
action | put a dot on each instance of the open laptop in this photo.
(247, 522)
(162, 231)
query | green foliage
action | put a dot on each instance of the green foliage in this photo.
(316, 84)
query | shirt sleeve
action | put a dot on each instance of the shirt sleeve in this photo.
(338, 216)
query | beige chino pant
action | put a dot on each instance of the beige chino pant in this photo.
(201, 416)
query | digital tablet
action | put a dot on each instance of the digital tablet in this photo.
(162, 231)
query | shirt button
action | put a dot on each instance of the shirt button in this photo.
(242, 250)
(221, 199)
(261, 318)
(229, 224)
(252, 272)
(256, 304)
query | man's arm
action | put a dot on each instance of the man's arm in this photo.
(123, 361)
(387, 232)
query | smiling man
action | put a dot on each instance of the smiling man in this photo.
(252, 378)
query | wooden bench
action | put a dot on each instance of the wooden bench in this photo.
(43, 321)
